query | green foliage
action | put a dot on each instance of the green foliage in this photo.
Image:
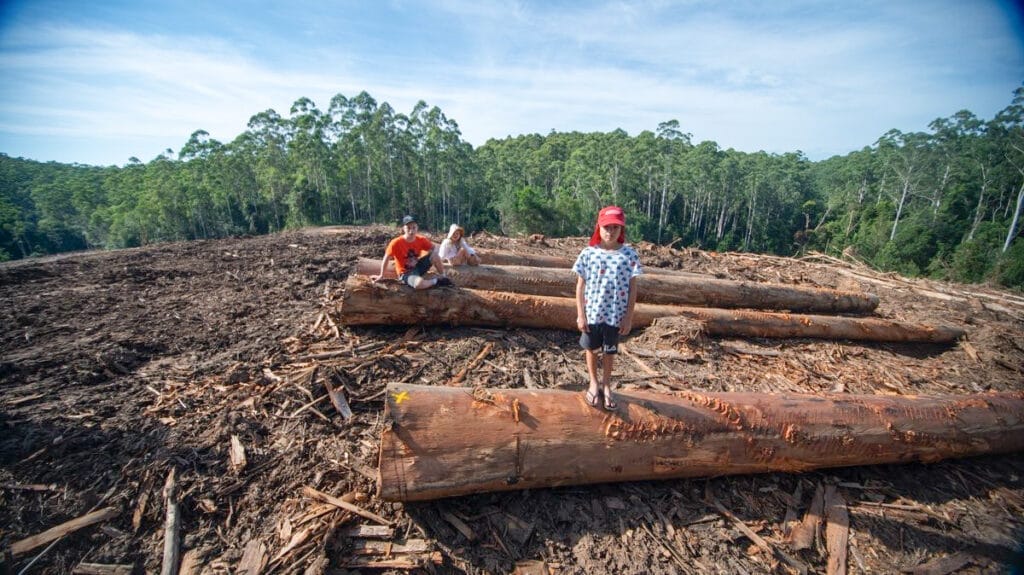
(938, 202)
(974, 260)
(1009, 270)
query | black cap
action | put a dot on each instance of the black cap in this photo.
(408, 220)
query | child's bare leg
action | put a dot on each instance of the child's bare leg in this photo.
(594, 388)
(459, 259)
(435, 260)
(607, 363)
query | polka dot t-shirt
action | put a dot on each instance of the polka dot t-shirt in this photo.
(606, 275)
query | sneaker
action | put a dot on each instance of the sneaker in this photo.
(443, 282)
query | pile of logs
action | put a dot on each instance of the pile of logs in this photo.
(531, 292)
(442, 441)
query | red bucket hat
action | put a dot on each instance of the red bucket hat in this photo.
(609, 215)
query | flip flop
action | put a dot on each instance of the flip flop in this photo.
(593, 399)
(609, 403)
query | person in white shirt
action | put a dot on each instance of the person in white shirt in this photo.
(455, 251)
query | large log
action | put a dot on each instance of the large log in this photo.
(444, 441)
(366, 303)
(371, 266)
(507, 258)
(690, 289)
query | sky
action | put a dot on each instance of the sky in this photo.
(103, 81)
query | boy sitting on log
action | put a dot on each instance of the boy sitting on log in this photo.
(606, 273)
(413, 255)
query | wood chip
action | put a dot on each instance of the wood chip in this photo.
(254, 558)
(140, 505)
(390, 547)
(531, 567)
(311, 492)
(102, 569)
(837, 530)
(338, 399)
(238, 460)
(459, 525)
(779, 554)
(941, 566)
(172, 526)
(368, 532)
(459, 377)
(808, 530)
(29, 487)
(192, 562)
(518, 529)
(407, 562)
(643, 366)
(55, 533)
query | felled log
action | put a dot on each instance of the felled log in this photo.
(507, 258)
(442, 441)
(366, 303)
(370, 266)
(690, 290)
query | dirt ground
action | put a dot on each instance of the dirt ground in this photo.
(117, 367)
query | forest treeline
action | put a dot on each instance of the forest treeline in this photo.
(944, 203)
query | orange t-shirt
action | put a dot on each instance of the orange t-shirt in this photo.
(406, 253)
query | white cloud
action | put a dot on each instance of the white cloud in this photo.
(749, 76)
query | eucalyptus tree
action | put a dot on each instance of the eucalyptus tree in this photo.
(904, 154)
(697, 176)
(312, 200)
(265, 144)
(344, 150)
(16, 209)
(1010, 125)
(592, 176)
(510, 171)
(442, 159)
(208, 202)
(670, 147)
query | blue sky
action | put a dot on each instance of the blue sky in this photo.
(100, 81)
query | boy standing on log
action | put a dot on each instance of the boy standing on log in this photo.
(413, 255)
(606, 273)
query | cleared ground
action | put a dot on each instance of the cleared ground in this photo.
(118, 366)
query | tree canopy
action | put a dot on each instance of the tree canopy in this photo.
(943, 203)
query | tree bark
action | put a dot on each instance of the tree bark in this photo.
(701, 291)
(441, 441)
(500, 258)
(506, 258)
(1012, 232)
(366, 303)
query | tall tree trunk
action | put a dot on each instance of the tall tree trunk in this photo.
(980, 207)
(899, 206)
(695, 290)
(1012, 232)
(447, 441)
(366, 303)
(661, 212)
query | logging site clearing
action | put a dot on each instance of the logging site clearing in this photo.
(205, 405)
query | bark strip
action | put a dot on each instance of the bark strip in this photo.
(689, 290)
(443, 441)
(365, 303)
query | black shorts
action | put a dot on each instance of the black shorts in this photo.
(421, 267)
(601, 336)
